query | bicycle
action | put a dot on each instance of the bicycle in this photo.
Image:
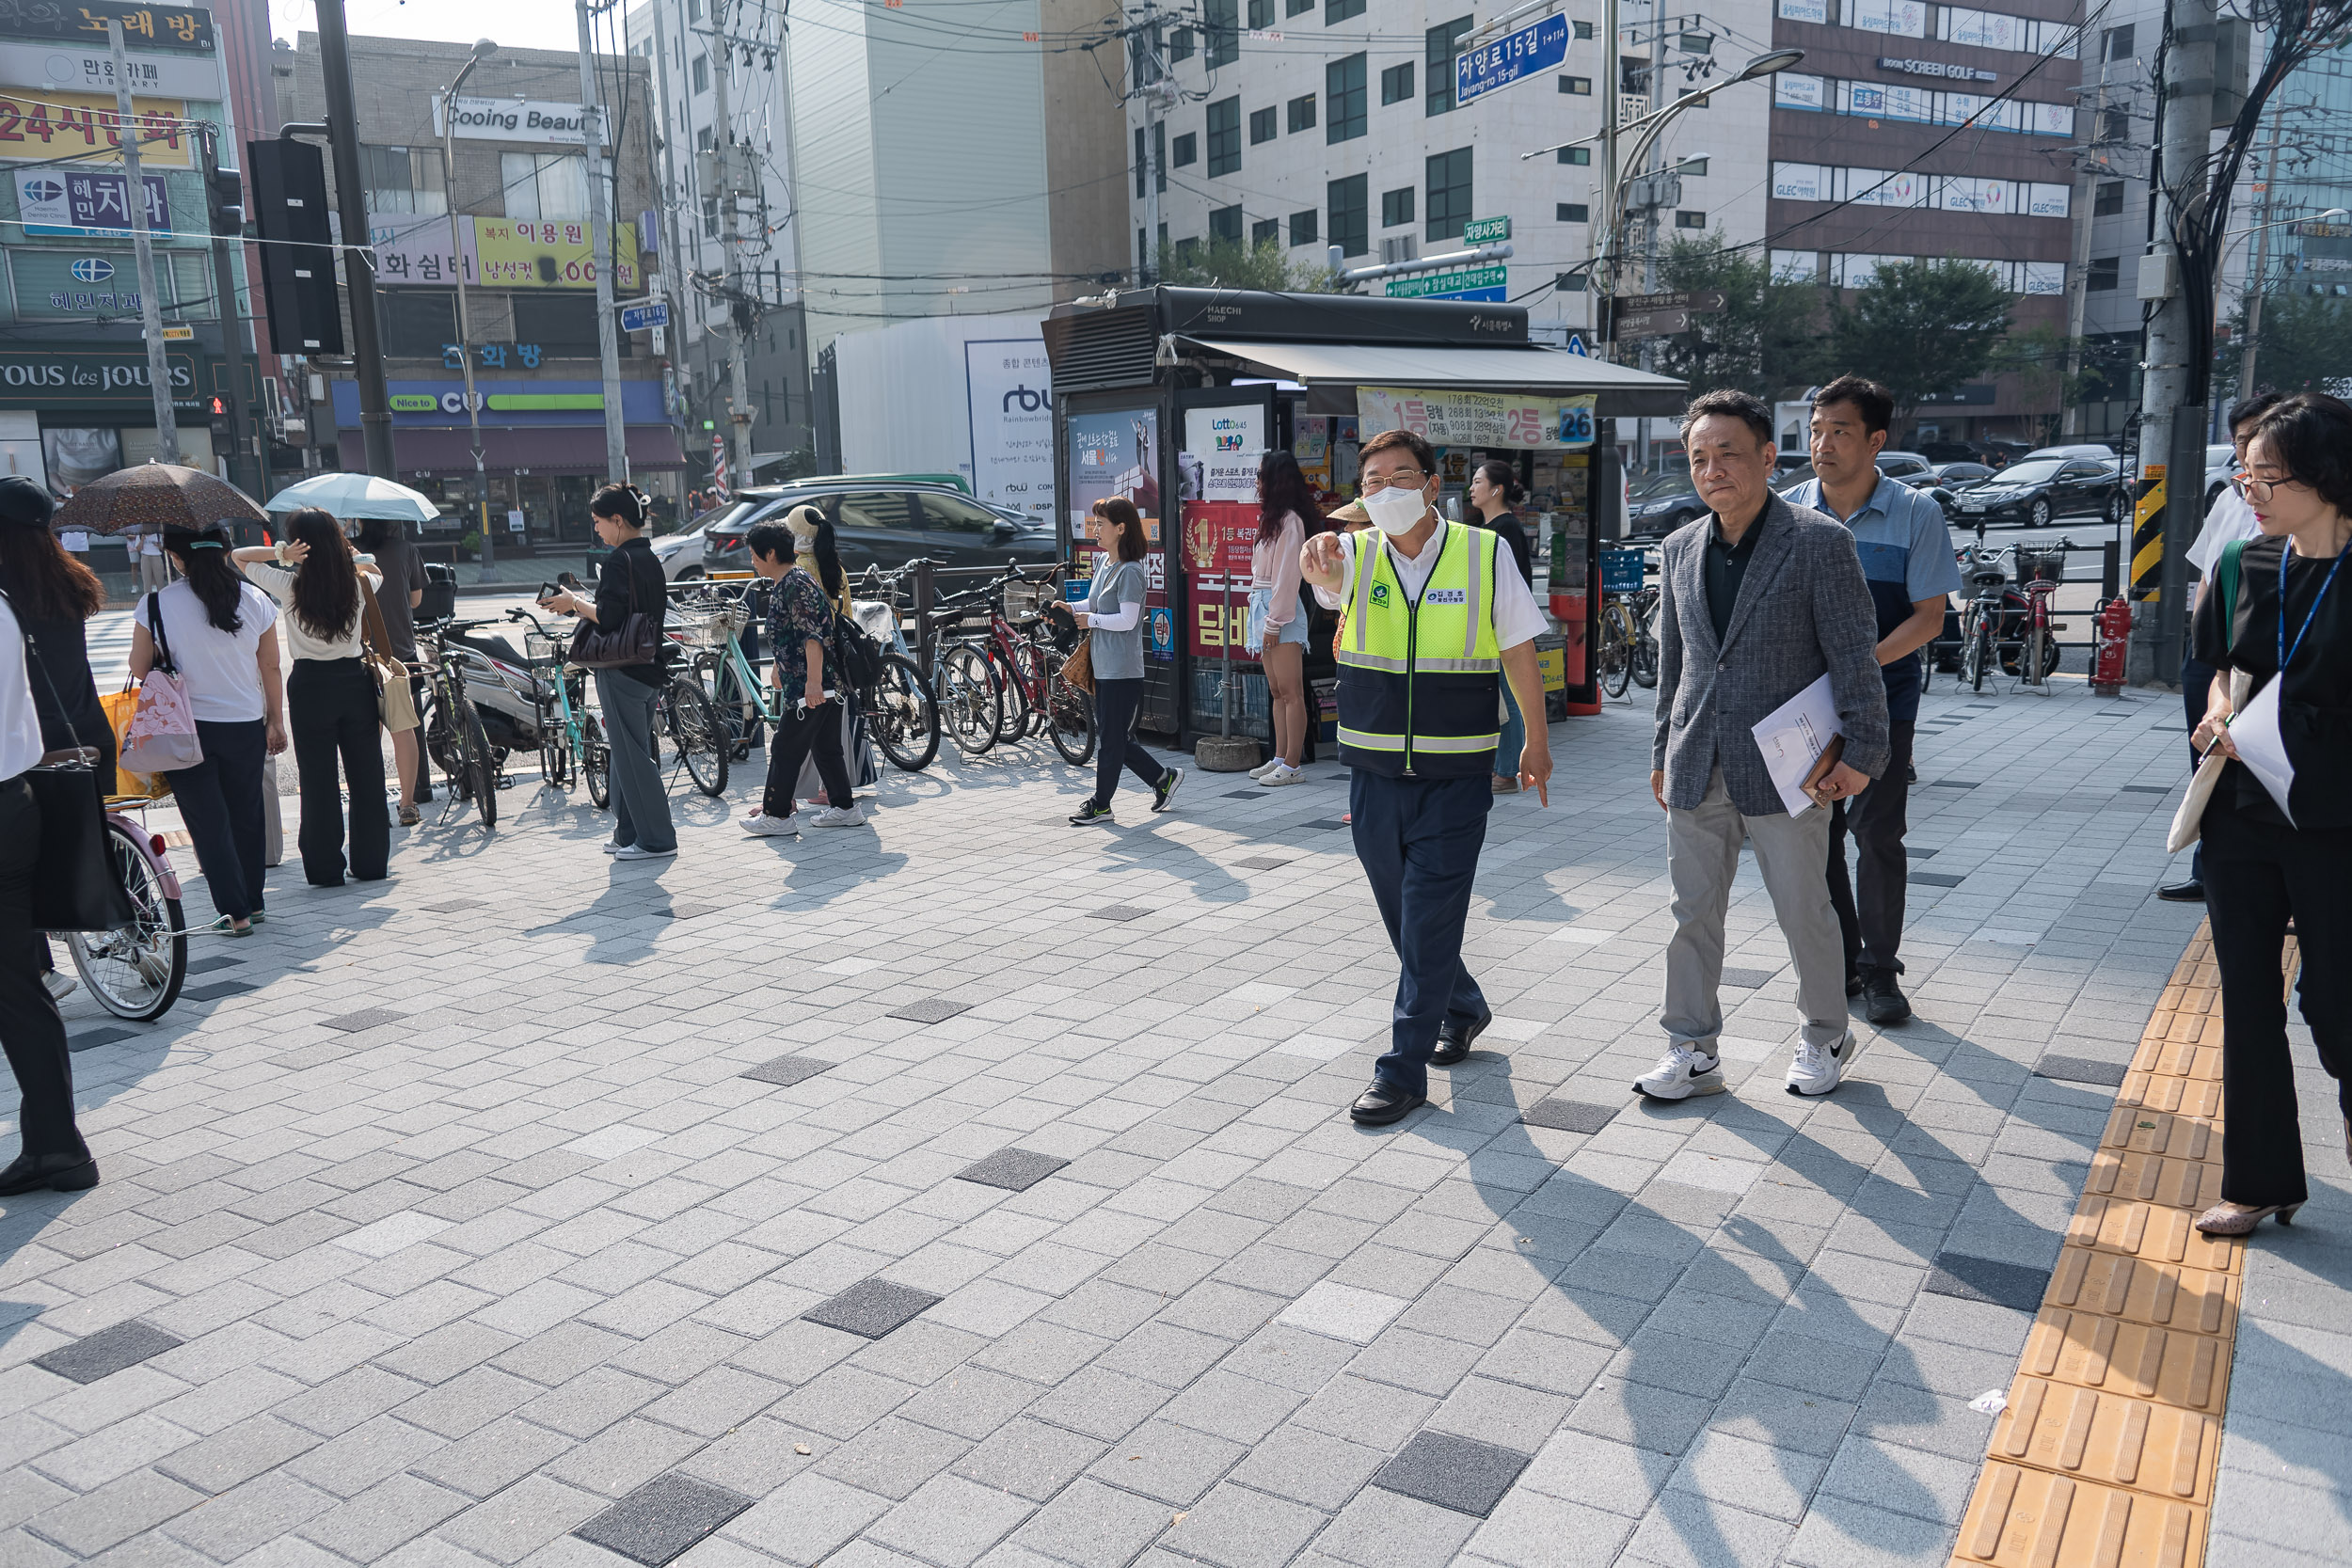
(1628, 651)
(1027, 671)
(1980, 620)
(570, 737)
(136, 972)
(900, 711)
(453, 736)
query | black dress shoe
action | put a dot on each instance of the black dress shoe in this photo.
(1887, 1004)
(1383, 1104)
(62, 1173)
(1854, 983)
(2190, 892)
(1454, 1040)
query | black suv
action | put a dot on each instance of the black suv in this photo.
(883, 524)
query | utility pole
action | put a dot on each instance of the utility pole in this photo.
(1159, 96)
(227, 220)
(601, 231)
(2256, 281)
(2171, 430)
(150, 306)
(482, 50)
(350, 205)
(1605, 268)
(723, 174)
(1653, 191)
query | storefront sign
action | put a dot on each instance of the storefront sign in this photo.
(69, 66)
(1230, 443)
(506, 401)
(553, 254)
(1218, 535)
(69, 202)
(414, 249)
(48, 379)
(1489, 420)
(83, 126)
(179, 28)
(1114, 454)
(1936, 68)
(512, 119)
(1008, 395)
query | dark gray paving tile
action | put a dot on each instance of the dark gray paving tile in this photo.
(1749, 979)
(871, 1307)
(1244, 795)
(1461, 1473)
(206, 966)
(2146, 789)
(2081, 1069)
(1953, 784)
(218, 990)
(1326, 823)
(1919, 854)
(786, 1070)
(1118, 912)
(91, 1039)
(366, 1018)
(1935, 878)
(930, 1009)
(1569, 1115)
(1956, 1273)
(450, 906)
(662, 1518)
(684, 912)
(1014, 1169)
(109, 1350)
(1262, 862)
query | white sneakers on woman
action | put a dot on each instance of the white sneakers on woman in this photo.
(1279, 774)
(1266, 766)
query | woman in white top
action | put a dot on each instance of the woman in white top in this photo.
(1277, 625)
(220, 633)
(331, 695)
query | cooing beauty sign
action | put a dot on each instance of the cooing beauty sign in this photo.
(514, 120)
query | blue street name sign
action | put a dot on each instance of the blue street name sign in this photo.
(636, 318)
(1489, 67)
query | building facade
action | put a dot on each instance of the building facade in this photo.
(520, 234)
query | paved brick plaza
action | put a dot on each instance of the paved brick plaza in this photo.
(977, 1189)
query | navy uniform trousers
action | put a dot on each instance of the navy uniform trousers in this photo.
(1418, 840)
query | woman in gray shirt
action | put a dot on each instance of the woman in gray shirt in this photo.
(1114, 622)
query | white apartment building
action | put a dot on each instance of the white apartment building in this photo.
(683, 40)
(1335, 123)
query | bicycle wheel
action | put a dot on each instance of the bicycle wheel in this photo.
(2034, 661)
(596, 761)
(1033, 666)
(902, 715)
(1644, 654)
(481, 768)
(1978, 656)
(699, 734)
(1616, 650)
(555, 753)
(1013, 706)
(971, 707)
(135, 973)
(1069, 715)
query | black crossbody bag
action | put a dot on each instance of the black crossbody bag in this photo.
(76, 884)
(636, 640)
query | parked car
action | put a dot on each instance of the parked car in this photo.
(885, 526)
(681, 553)
(1907, 468)
(2085, 448)
(2040, 489)
(1662, 503)
(2220, 463)
(1952, 478)
(1940, 452)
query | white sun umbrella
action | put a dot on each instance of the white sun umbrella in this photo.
(354, 496)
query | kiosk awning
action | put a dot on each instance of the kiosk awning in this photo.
(1622, 389)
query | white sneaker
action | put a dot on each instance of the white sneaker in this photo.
(610, 847)
(1681, 1073)
(639, 853)
(60, 986)
(1264, 767)
(761, 825)
(1283, 773)
(837, 816)
(1816, 1068)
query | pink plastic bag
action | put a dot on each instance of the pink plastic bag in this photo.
(161, 735)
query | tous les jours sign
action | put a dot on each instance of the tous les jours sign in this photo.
(518, 119)
(48, 379)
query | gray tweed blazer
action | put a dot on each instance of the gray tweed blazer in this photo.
(1803, 610)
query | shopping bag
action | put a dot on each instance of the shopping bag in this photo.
(119, 706)
(161, 735)
(273, 825)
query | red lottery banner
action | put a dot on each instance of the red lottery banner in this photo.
(1217, 543)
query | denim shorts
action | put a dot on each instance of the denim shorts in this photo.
(1261, 605)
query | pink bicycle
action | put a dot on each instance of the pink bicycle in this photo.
(136, 972)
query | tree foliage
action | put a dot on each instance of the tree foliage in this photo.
(2305, 343)
(1225, 265)
(1764, 340)
(1920, 328)
(2038, 356)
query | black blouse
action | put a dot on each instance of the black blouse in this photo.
(2315, 702)
(631, 581)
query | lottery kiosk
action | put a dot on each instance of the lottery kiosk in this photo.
(1171, 397)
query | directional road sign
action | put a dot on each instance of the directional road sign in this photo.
(1652, 324)
(1468, 283)
(1537, 47)
(636, 318)
(1702, 302)
(1486, 231)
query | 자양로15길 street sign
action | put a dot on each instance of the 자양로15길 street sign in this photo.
(1538, 46)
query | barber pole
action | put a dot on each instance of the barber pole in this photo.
(719, 468)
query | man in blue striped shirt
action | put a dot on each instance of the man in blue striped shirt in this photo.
(1906, 551)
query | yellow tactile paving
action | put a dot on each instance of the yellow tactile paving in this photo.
(2106, 1454)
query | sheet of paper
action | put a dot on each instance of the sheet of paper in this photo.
(1791, 737)
(2255, 734)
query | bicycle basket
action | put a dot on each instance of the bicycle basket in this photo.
(542, 647)
(2041, 566)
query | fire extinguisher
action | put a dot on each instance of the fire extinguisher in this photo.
(2111, 639)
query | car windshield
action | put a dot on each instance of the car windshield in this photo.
(2030, 473)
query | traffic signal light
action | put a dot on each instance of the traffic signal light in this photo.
(224, 428)
(297, 250)
(225, 195)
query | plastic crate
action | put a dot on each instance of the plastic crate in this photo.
(1621, 571)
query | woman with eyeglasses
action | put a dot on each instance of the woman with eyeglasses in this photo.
(2278, 615)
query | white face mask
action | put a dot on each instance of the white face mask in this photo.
(1396, 510)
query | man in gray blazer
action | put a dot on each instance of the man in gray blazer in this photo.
(1760, 600)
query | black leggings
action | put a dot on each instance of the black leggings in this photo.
(332, 702)
(797, 733)
(1116, 704)
(31, 1031)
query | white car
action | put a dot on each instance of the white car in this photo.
(681, 553)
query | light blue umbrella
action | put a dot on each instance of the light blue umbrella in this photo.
(354, 496)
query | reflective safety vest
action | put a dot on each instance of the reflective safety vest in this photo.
(1421, 682)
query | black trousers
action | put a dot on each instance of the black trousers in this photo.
(1418, 841)
(798, 732)
(2196, 688)
(1873, 924)
(2257, 875)
(30, 1029)
(220, 805)
(100, 737)
(1116, 704)
(331, 703)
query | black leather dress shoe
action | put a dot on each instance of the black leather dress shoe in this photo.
(1887, 1004)
(1854, 983)
(1383, 1104)
(63, 1173)
(1453, 1041)
(2191, 892)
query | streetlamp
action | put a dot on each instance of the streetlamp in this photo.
(1628, 155)
(482, 49)
(2254, 287)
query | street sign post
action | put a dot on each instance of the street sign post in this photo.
(1537, 47)
(1651, 324)
(1486, 231)
(1703, 302)
(636, 318)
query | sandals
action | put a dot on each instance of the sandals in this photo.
(409, 817)
(2235, 1219)
(224, 926)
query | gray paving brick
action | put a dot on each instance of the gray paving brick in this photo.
(107, 1352)
(806, 1519)
(1236, 1528)
(519, 1521)
(1463, 1474)
(1088, 1523)
(871, 1307)
(893, 1457)
(949, 1521)
(1170, 1462)
(662, 1519)
(1380, 1528)
(1029, 1458)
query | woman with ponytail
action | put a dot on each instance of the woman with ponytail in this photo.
(220, 634)
(1287, 513)
(332, 693)
(1494, 489)
(632, 583)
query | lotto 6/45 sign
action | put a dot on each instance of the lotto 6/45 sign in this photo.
(1536, 48)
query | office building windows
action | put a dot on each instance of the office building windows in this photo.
(543, 185)
(2116, 43)
(1159, 143)
(1396, 208)
(1580, 87)
(1179, 48)
(2104, 275)
(1188, 151)
(1396, 83)
(702, 73)
(1343, 93)
(1266, 231)
(1303, 227)
(1221, 23)
(1225, 226)
(1349, 202)
(404, 179)
(1302, 112)
(1584, 29)
(1225, 137)
(1448, 194)
(1340, 11)
(1262, 126)
(1572, 212)
(2107, 198)
(1261, 14)
(1574, 155)
(1443, 42)
(1686, 219)
(1297, 7)
(1142, 164)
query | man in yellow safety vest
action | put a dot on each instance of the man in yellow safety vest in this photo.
(1431, 627)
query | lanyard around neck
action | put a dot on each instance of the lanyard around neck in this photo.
(2285, 652)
